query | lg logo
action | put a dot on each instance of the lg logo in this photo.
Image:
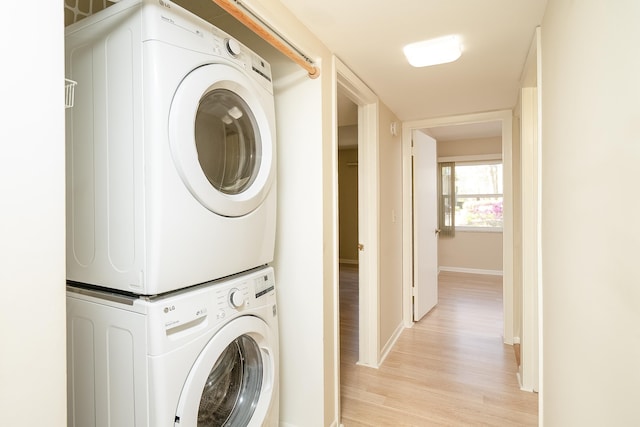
(169, 308)
(165, 4)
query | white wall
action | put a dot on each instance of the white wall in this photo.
(472, 252)
(32, 264)
(390, 217)
(590, 204)
(299, 256)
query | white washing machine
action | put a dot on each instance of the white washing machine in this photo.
(170, 151)
(203, 356)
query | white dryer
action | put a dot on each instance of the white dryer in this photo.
(170, 151)
(203, 356)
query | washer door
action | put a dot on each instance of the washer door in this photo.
(231, 382)
(221, 130)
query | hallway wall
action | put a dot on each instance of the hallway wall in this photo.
(390, 217)
(590, 235)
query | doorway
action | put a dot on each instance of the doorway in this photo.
(350, 86)
(505, 118)
(348, 241)
(473, 154)
(365, 322)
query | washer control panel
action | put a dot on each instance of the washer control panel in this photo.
(264, 284)
(187, 309)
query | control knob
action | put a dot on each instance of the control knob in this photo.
(233, 47)
(236, 299)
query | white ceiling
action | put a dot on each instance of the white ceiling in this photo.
(368, 37)
(466, 131)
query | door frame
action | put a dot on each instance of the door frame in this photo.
(368, 208)
(506, 118)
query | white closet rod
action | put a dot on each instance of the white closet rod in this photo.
(248, 18)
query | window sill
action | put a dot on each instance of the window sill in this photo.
(479, 229)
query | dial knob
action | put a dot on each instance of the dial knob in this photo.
(236, 299)
(233, 47)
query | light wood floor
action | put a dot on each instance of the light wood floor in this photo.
(450, 369)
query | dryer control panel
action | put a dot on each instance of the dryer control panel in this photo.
(179, 27)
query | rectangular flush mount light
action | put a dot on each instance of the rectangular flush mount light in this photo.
(434, 51)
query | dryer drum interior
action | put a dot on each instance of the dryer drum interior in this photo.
(232, 389)
(228, 141)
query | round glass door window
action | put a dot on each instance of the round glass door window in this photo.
(232, 389)
(227, 143)
(221, 136)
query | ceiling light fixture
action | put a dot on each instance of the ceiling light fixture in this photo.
(433, 52)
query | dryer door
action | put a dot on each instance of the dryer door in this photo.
(232, 381)
(221, 133)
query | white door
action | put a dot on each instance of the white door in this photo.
(425, 225)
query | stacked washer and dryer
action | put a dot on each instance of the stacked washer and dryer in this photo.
(171, 210)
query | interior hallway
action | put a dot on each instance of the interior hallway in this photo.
(451, 368)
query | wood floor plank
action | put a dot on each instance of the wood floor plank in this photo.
(451, 369)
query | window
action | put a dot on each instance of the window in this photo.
(446, 192)
(477, 198)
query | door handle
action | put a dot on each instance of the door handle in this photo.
(360, 247)
(437, 231)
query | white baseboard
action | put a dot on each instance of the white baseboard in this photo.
(471, 271)
(391, 342)
(367, 365)
(348, 261)
(530, 390)
(519, 380)
(516, 340)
